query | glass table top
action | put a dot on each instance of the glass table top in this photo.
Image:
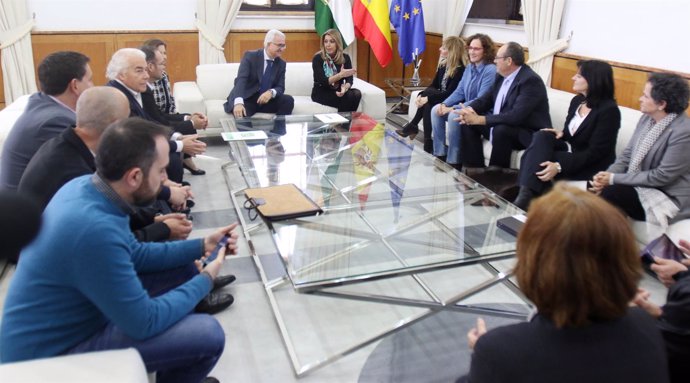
(389, 208)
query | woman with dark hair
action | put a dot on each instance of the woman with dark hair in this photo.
(581, 272)
(587, 143)
(448, 75)
(333, 75)
(650, 180)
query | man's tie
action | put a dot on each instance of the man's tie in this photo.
(266, 78)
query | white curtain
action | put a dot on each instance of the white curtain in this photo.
(213, 19)
(15, 42)
(457, 11)
(542, 24)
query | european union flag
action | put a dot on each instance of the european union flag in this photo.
(408, 19)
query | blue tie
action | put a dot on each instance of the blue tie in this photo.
(266, 78)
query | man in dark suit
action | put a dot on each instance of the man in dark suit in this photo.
(127, 72)
(63, 76)
(70, 155)
(260, 82)
(516, 107)
(184, 123)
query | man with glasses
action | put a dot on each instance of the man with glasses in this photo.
(260, 82)
(507, 115)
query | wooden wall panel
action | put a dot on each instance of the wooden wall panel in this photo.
(99, 48)
(363, 53)
(394, 69)
(182, 48)
(430, 57)
(301, 46)
(629, 82)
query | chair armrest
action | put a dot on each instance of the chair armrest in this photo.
(373, 100)
(188, 97)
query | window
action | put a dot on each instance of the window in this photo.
(506, 10)
(277, 5)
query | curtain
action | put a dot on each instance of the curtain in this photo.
(542, 24)
(15, 43)
(457, 11)
(214, 18)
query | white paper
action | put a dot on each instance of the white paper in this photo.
(242, 136)
(330, 118)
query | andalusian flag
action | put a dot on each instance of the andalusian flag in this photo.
(373, 24)
(336, 14)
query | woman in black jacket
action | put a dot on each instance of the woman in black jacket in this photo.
(333, 75)
(587, 143)
(578, 262)
(447, 78)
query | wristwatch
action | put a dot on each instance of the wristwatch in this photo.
(558, 167)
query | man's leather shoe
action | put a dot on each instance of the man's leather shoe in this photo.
(222, 281)
(214, 303)
(210, 379)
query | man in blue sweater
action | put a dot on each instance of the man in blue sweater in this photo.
(86, 284)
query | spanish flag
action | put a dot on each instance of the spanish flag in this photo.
(372, 23)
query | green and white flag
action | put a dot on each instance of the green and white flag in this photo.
(335, 14)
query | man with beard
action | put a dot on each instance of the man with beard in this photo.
(102, 289)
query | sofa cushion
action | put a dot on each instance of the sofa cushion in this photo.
(215, 81)
(215, 112)
(299, 79)
(304, 105)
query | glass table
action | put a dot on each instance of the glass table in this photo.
(390, 210)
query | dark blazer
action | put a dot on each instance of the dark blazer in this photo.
(594, 143)
(174, 120)
(433, 91)
(60, 160)
(42, 120)
(251, 71)
(150, 111)
(629, 349)
(675, 327)
(665, 167)
(525, 105)
(320, 79)
(64, 158)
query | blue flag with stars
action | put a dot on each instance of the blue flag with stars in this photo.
(408, 19)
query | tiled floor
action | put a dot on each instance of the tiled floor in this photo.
(318, 326)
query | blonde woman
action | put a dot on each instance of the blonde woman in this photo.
(448, 75)
(333, 75)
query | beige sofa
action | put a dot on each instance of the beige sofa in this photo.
(215, 81)
(558, 108)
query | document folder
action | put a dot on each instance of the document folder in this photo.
(275, 203)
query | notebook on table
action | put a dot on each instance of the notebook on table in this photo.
(275, 203)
